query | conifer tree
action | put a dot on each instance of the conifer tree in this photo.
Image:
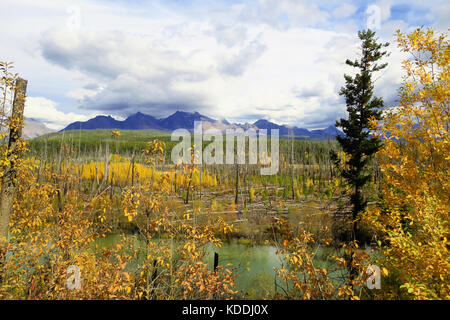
(362, 106)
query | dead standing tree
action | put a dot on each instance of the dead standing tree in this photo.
(9, 184)
(8, 181)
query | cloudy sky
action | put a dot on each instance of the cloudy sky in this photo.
(282, 60)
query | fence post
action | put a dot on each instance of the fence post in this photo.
(153, 280)
(9, 183)
(216, 261)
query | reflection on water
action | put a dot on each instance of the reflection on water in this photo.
(253, 265)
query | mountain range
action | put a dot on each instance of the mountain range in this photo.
(180, 119)
(33, 128)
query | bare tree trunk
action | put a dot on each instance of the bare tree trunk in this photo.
(175, 179)
(9, 183)
(106, 163)
(186, 201)
(236, 199)
(132, 169)
(292, 164)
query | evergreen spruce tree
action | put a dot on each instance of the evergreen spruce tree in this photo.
(358, 143)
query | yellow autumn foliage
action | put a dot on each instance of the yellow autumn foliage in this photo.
(120, 171)
(414, 214)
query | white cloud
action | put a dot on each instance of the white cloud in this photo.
(237, 64)
(302, 12)
(385, 6)
(283, 75)
(83, 93)
(344, 11)
(441, 15)
(230, 35)
(277, 59)
(45, 110)
(159, 77)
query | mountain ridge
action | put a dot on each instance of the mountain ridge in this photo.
(34, 128)
(185, 120)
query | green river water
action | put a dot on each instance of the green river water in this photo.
(252, 264)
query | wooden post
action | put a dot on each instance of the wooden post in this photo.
(154, 276)
(9, 183)
(216, 261)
